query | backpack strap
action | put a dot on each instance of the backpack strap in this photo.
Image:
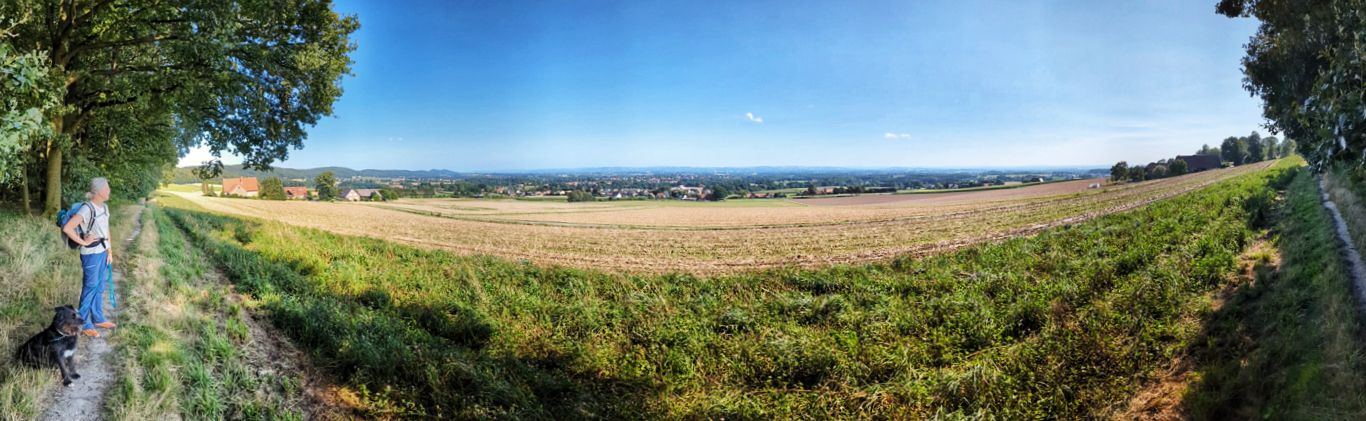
(90, 225)
(94, 213)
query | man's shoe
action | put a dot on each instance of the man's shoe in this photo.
(106, 325)
(91, 333)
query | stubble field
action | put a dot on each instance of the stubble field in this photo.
(702, 238)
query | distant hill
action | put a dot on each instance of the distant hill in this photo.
(186, 174)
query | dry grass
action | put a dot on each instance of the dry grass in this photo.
(37, 273)
(709, 238)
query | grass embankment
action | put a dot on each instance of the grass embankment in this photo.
(37, 273)
(1056, 325)
(182, 341)
(1286, 345)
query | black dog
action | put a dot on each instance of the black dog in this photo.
(55, 345)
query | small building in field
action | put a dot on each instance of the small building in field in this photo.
(1196, 163)
(241, 186)
(356, 195)
(296, 193)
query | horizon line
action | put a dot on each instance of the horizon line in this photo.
(648, 167)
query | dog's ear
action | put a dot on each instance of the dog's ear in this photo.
(59, 308)
(69, 307)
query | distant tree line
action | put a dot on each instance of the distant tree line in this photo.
(1252, 148)
(580, 196)
(732, 184)
(1233, 151)
(1122, 172)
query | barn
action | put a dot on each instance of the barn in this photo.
(296, 193)
(356, 195)
(1196, 163)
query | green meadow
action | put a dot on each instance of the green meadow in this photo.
(1068, 323)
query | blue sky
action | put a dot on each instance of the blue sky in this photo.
(505, 85)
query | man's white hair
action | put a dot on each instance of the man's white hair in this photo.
(96, 184)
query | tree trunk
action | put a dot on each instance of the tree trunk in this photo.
(52, 201)
(23, 190)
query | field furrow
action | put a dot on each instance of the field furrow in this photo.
(665, 236)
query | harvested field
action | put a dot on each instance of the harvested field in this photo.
(644, 236)
(1049, 189)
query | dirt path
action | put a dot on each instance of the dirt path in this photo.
(1356, 270)
(271, 354)
(84, 399)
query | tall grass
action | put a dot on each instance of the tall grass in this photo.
(37, 273)
(181, 352)
(1287, 346)
(1055, 325)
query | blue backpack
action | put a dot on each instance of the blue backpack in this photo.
(65, 216)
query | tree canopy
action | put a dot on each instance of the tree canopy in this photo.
(1305, 64)
(580, 196)
(1234, 150)
(27, 90)
(1256, 148)
(272, 189)
(1119, 172)
(1176, 167)
(145, 80)
(326, 186)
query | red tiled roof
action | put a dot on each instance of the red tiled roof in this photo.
(248, 184)
(296, 191)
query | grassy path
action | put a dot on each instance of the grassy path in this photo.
(84, 399)
(193, 349)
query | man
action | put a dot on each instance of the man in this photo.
(96, 256)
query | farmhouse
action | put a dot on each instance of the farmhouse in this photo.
(356, 195)
(294, 193)
(241, 186)
(690, 192)
(1196, 163)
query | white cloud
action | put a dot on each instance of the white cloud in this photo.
(754, 118)
(895, 136)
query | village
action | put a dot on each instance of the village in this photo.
(685, 187)
(718, 185)
(250, 187)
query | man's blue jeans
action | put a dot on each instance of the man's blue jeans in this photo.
(92, 290)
